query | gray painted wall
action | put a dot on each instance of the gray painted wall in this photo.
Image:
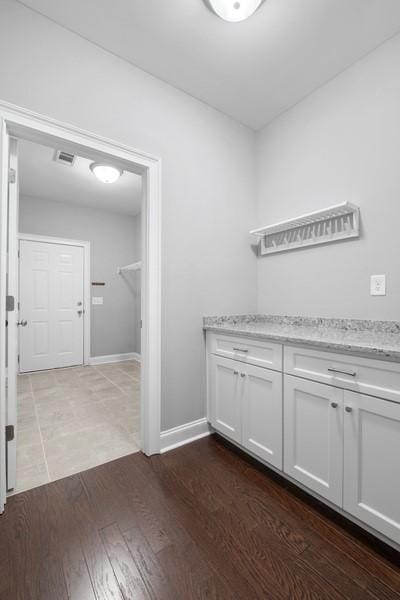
(114, 241)
(341, 143)
(208, 182)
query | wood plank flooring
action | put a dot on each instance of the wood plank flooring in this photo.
(203, 521)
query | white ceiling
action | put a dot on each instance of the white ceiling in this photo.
(40, 176)
(251, 70)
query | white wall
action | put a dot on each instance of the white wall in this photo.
(341, 143)
(208, 179)
(114, 241)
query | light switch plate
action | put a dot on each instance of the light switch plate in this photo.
(378, 285)
(97, 299)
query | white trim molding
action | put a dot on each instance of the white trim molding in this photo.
(184, 434)
(113, 358)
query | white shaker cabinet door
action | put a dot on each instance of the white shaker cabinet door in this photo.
(313, 446)
(226, 388)
(372, 462)
(262, 414)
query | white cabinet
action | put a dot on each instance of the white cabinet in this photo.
(372, 462)
(317, 424)
(226, 387)
(313, 438)
(262, 414)
(246, 406)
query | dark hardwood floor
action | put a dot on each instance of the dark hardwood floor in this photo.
(202, 521)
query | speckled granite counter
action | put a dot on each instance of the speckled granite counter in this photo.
(372, 339)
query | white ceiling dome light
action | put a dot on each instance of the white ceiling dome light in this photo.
(105, 173)
(234, 10)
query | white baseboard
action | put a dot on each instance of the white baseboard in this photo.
(112, 358)
(183, 434)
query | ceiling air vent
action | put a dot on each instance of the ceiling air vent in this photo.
(66, 158)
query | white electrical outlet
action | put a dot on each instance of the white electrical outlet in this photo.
(378, 285)
(97, 299)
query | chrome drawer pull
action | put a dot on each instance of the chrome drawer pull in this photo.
(349, 373)
(240, 350)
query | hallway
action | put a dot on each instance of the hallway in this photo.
(73, 419)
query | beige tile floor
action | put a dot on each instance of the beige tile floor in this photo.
(73, 419)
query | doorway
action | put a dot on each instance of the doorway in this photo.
(75, 409)
(18, 124)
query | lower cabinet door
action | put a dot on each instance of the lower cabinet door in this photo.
(262, 414)
(372, 462)
(226, 387)
(313, 446)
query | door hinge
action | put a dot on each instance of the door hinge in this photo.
(18, 358)
(10, 303)
(19, 254)
(141, 324)
(10, 434)
(12, 176)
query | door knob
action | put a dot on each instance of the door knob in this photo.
(236, 372)
(334, 404)
(79, 312)
(348, 409)
(79, 303)
(22, 323)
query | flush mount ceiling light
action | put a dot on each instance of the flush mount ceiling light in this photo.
(105, 173)
(234, 10)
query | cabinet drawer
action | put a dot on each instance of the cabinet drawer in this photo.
(259, 353)
(365, 375)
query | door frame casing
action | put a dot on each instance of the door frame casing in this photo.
(12, 316)
(23, 123)
(86, 281)
(4, 158)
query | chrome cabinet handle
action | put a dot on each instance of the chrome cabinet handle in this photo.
(334, 404)
(240, 350)
(22, 323)
(348, 409)
(349, 373)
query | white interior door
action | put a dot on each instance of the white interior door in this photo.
(51, 303)
(12, 333)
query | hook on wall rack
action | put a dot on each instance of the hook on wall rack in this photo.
(132, 267)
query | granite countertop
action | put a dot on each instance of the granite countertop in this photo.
(372, 339)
